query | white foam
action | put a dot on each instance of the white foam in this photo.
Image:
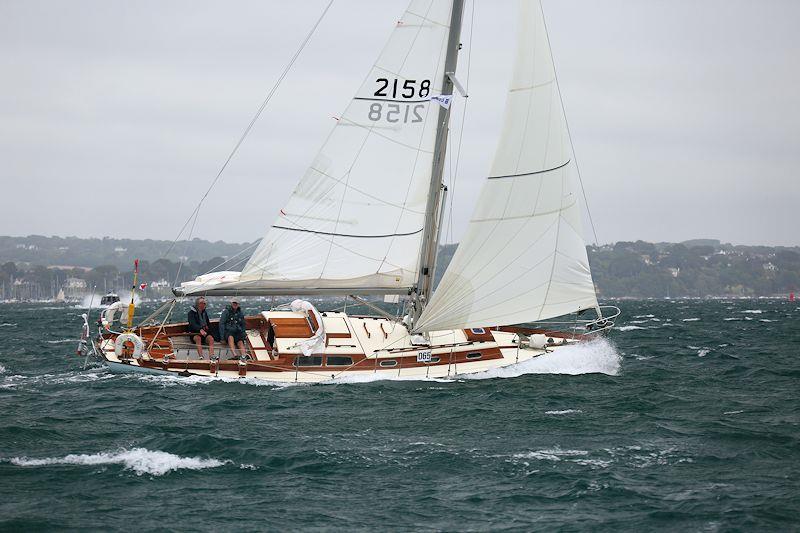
(2, 369)
(7, 325)
(732, 318)
(702, 353)
(732, 412)
(630, 328)
(140, 460)
(56, 379)
(753, 311)
(563, 412)
(644, 316)
(595, 357)
(172, 380)
(766, 320)
(555, 454)
(61, 341)
(690, 320)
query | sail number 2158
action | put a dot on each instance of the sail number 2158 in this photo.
(400, 111)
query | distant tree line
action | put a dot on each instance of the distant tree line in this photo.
(74, 251)
(624, 269)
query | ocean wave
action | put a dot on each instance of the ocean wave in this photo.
(140, 460)
(56, 379)
(2, 369)
(702, 353)
(634, 456)
(61, 341)
(690, 319)
(766, 320)
(731, 318)
(173, 380)
(554, 454)
(7, 325)
(629, 328)
(563, 412)
(753, 311)
(644, 316)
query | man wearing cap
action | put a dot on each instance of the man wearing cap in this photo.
(231, 327)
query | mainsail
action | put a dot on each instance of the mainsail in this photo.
(523, 257)
(355, 221)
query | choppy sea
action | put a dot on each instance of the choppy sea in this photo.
(686, 418)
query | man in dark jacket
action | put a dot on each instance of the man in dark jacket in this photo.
(231, 327)
(199, 327)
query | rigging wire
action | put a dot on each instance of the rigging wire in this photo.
(193, 217)
(461, 132)
(566, 122)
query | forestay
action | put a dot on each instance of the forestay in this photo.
(355, 220)
(523, 257)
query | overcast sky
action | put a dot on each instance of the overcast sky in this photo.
(115, 115)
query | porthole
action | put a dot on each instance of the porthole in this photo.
(474, 355)
(388, 363)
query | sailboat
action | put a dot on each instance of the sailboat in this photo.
(365, 220)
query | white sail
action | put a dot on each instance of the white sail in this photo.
(356, 218)
(523, 257)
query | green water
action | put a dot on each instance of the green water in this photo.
(687, 419)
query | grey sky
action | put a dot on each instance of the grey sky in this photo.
(685, 115)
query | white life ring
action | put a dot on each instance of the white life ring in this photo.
(120, 348)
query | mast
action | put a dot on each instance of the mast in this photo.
(430, 236)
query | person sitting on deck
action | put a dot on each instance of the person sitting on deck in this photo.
(199, 327)
(232, 327)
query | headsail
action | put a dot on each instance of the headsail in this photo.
(354, 223)
(523, 257)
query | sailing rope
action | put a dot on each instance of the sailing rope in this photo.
(566, 121)
(193, 217)
(454, 171)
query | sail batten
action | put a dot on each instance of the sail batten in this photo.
(523, 257)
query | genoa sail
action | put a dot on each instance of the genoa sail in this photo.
(523, 257)
(355, 221)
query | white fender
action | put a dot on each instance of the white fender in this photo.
(138, 344)
(539, 341)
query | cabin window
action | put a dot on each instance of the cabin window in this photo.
(339, 360)
(391, 362)
(478, 331)
(310, 360)
(474, 355)
(435, 359)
